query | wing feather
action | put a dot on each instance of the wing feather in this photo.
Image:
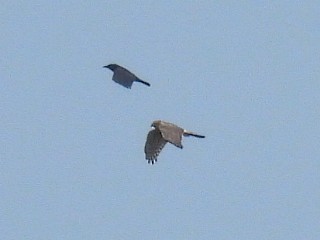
(171, 133)
(123, 77)
(154, 144)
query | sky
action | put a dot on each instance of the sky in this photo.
(245, 74)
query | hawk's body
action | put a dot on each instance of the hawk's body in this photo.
(123, 76)
(162, 133)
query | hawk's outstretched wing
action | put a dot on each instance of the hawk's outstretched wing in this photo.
(154, 144)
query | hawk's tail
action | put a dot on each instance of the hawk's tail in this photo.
(187, 134)
(145, 83)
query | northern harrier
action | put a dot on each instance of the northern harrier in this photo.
(162, 133)
(123, 76)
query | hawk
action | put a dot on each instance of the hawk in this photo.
(162, 133)
(123, 76)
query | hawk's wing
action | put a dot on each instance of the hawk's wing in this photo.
(171, 133)
(154, 145)
(123, 77)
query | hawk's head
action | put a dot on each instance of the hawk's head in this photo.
(156, 123)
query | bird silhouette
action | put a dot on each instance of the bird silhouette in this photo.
(123, 76)
(162, 133)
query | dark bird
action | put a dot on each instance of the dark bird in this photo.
(162, 133)
(123, 76)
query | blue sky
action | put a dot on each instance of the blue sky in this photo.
(246, 75)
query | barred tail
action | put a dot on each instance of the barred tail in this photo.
(187, 134)
(145, 83)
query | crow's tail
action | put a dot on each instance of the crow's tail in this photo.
(145, 83)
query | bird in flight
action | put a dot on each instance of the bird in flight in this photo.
(162, 133)
(123, 76)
